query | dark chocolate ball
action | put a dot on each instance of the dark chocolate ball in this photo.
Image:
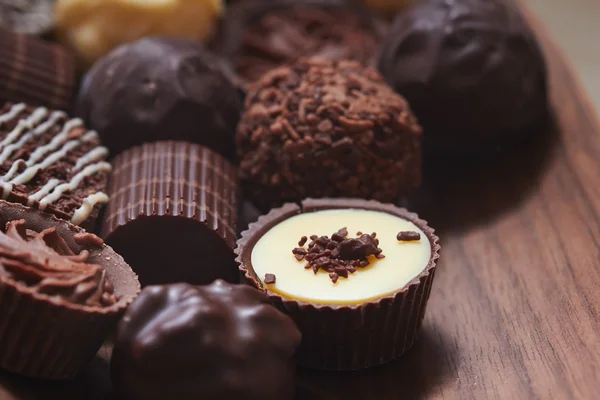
(326, 129)
(471, 70)
(161, 89)
(214, 342)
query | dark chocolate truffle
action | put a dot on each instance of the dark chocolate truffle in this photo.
(173, 213)
(215, 342)
(161, 89)
(471, 70)
(53, 163)
(326, 129)
(261, 35)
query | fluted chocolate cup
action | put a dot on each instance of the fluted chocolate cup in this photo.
(172, 213)
(348, 337)
(35, 72)
(51, 334)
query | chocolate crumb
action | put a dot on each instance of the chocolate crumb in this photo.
(339, 256)
(302, 241)
(359, 233)
(408, 236)
(270, 279)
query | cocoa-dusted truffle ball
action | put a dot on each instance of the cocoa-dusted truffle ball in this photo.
(326, 129)
(161, 89)
(471, 70)
(214, 342)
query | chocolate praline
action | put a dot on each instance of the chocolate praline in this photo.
(62, 291)
(259, 35)
(323, 128)
(219, 341)
(342, 314)
(161, 89)
(472, 71)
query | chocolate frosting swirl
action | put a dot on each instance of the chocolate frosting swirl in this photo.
(45, 262)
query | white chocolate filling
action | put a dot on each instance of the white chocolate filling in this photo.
(402, 263)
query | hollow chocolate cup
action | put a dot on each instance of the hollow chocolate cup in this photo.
(172, 213)
(358, 336)
(49, 337)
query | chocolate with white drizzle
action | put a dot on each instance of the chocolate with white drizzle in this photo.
(51, 162)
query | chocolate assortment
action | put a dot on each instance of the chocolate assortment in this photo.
(220, 341)
(173, 213)
(161, 89)
(326, 129)
(213, 142)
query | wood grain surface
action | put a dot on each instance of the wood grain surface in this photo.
(514, 312)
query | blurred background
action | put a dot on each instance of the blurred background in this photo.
(573, 24)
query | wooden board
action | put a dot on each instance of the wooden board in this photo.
(514, 312)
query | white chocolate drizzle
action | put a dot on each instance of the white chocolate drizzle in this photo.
(37, 196)
(94, 155)
(36, 124)
(75, 181)
(39, 130)
(14, 111)
(84, 211)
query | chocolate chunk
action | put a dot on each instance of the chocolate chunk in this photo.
(161, 89)
(53, 163)
(407, 236)
(471, 70)
(173, 212)
(34, 71)
(270, 279)
(302, 241)
(220, 341)
(375, 148)
(259, 36)
(351, 249)
(338, 255)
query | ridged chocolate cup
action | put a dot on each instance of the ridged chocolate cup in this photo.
(172, 213)
(358, 336)
(35, 72)
(49, 337)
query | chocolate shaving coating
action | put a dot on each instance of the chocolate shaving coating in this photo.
(45, 262)
(339, 255)
(284, 33)
(326, 129)
(408, 236)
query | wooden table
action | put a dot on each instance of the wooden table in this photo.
(514, 313)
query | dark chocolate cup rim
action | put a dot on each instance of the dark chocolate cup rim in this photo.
(106, 251)
(256, 230)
